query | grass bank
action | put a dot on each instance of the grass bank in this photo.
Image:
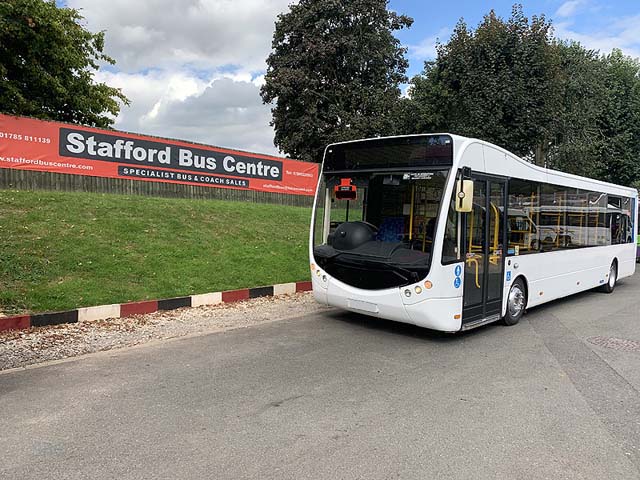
(65, 250)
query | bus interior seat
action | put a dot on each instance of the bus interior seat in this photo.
(391, 230)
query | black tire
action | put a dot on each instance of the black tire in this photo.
(612, 279)
(516, 302)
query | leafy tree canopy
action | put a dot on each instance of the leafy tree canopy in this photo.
(47, 63)
(334, 73)
(619, 122)
(498, 82)
(554, 102)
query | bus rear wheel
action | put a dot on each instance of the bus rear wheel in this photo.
(612, 280)
(516, 303)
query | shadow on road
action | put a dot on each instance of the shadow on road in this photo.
(397, 328)
(405, 329)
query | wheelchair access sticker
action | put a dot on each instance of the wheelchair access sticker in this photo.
(508, 275)
(458, 271)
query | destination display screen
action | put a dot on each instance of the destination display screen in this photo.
(421, 151)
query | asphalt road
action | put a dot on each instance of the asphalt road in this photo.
(342, 396)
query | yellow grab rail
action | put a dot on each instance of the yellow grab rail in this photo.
(475, 260)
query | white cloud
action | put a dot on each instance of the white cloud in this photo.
(623, 33)
(191, 68)
(201, 33)
(426, 49)
(569, 8)
(226, 111)
(146, 90)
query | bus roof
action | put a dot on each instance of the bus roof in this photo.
(509, 165)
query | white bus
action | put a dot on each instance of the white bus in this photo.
(450, 233)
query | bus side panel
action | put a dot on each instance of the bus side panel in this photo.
(553, 275)
(499, 163)
(473, 157)
(626, 261)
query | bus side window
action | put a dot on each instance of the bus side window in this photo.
(523, 217)
(627, 211)
(450, 250)
(615, 220)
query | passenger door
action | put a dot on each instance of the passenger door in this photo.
(484, 236)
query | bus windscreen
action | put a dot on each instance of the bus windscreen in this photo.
(383, 237)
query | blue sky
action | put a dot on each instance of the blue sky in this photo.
(193, 68)
(598, 24)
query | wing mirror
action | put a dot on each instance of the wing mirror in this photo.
(464, 196)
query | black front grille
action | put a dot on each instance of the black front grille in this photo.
(366, 278)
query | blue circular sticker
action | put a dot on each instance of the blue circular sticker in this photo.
(458, 270)
(456, 282)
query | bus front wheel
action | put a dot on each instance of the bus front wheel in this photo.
(516, 302)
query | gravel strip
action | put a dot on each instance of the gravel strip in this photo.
(25, 347)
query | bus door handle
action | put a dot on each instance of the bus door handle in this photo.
(474, 260)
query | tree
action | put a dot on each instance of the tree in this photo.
(573, 137)
(511, 83)
(496, 83)
(47, 64)
(620, 120)
(552, 102)
(334, 73)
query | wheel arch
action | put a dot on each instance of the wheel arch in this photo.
(617, 264)
(508, 318)
(505, 303)
(608, 286)
(615, 260)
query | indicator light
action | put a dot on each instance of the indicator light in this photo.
(324, 278)
(407, 293)
(428, 284)
(318, 272)
(418, 289)
(313, 266)
(457, 316)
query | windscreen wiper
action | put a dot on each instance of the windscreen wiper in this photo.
(407, 275)
(326, 255)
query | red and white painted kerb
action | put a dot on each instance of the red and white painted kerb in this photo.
(123, 310)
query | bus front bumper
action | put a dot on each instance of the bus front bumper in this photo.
(432, 313)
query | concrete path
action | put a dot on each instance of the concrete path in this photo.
(342, 396)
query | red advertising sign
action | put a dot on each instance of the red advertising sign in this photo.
(29, 144)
